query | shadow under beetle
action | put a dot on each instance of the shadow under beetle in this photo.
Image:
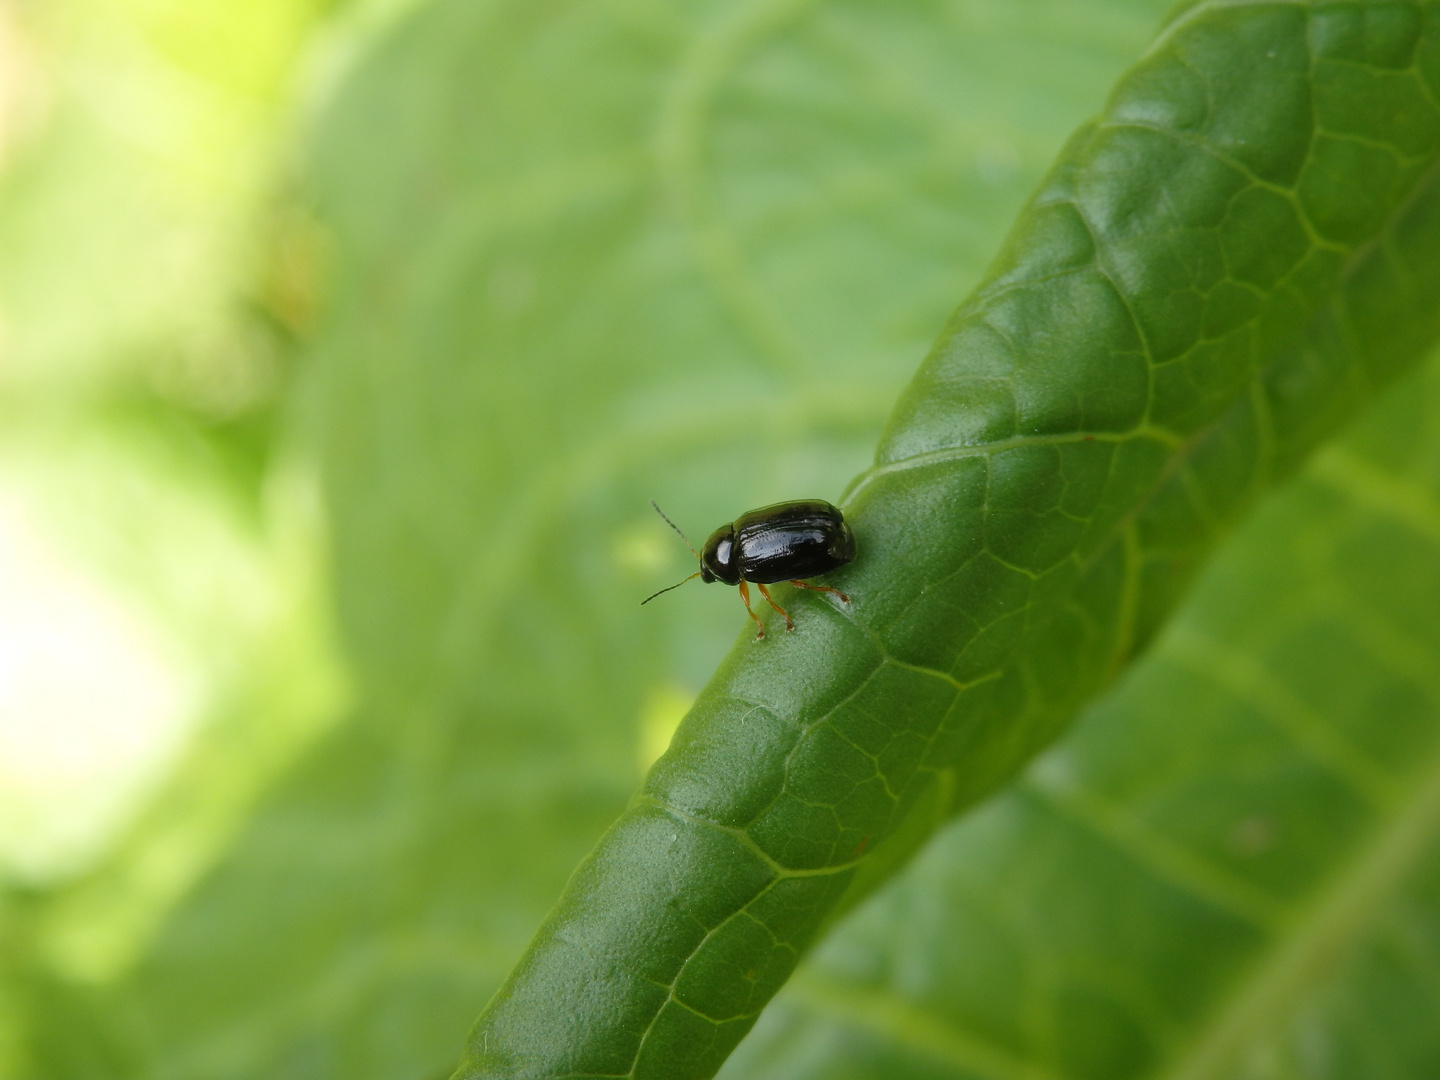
(787, 541)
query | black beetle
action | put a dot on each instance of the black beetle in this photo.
(783, 542)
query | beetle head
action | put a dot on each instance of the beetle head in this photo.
(717, 558)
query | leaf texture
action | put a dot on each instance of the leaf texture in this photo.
(587, 254)
(1215, 274)
(583, 255)
(1231, 867)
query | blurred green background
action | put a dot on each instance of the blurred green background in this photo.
(342, 345)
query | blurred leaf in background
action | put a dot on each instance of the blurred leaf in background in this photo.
(574, 256)
(164, 640)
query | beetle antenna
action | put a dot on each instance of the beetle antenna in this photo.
(677, 529)
(667, 589)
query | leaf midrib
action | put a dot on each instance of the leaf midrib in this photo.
(891, 1016)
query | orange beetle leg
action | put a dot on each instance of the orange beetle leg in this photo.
(820, 588)
(745, 596)
(789, 625)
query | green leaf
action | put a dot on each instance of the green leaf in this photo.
(1195, 295)
(586, 255)
(531, 335)
(1230, 868)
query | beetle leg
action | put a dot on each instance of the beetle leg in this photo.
(820, 588)
(789, 625)
(745, 596)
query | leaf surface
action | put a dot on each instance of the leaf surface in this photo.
(591, 254)
(1193, 298)
(539, 323)
(1230, 868)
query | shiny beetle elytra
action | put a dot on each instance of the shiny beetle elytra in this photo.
(784, 542)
